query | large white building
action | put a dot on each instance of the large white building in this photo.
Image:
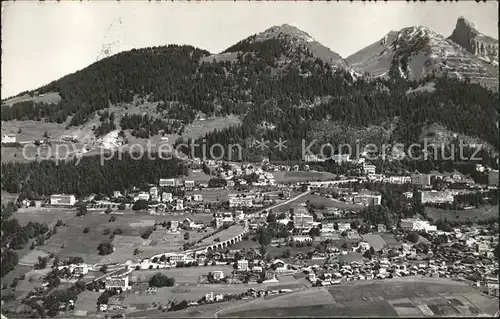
(417, 225)
(121, 283)
(153, 191)
(188, 184)
(142, 196)
(165, 182)
(303, 220)
(62, 200)
(242, 265)
(399, 179)
(179, 204)
(166, 197)
(435, 197)
(240, 200)
(368, 168)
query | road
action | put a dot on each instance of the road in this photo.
(280, 204)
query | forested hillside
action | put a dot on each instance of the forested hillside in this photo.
(273, 81)
(87, 176)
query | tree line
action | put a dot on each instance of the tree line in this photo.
(37, 179)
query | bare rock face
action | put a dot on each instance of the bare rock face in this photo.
(466, 35)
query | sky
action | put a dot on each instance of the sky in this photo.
(43, 41)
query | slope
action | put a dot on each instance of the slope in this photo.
(466, 35)
(415, 52)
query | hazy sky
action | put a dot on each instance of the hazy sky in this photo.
(43, 41)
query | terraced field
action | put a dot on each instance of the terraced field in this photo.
(394, 298)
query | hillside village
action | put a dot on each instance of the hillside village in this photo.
(92, 230)
(325, 234)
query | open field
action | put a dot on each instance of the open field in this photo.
(49, 98)
(15, 273)
(34, 130)
(31, 258)
(473, 214)
(197, 291)
(246, 244)
(278, 251)
(28, 152)
(390, 240)
(435, 297)
(205, 311)
(309, 297)
(493, 177)
(48, 216)
(196, 176)
(320, 200)
(201, 127)
(181, 275)
(87, 301)
(71, 241)
(33, 279)
(287, 177)
(7, 197)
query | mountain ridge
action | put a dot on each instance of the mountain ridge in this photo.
(477, 43)
(278, 77)
(469, 42)
(418, 51)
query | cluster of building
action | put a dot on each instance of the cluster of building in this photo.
(415, 224)
(466, 254)
(234, 174)
(228, 218)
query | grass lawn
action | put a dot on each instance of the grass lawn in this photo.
(320, 200)
(204, 311)
(181, 275)
(390, 241)
(473, 214)
(310, 297)
(87, 301)
(195, 292)
(493, 177)
(359, 310)
(199, 128)
(197, 176)
(71, 241)
(278, 251)
(246, 244)
(48, 216)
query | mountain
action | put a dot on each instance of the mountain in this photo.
(375, 59)
(483, 46)
(415, 52)
(279, 83)
(295, 39)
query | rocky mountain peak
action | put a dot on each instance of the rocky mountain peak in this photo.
(466, 35)
(463, 23)
(296, 38)
(284, 30)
